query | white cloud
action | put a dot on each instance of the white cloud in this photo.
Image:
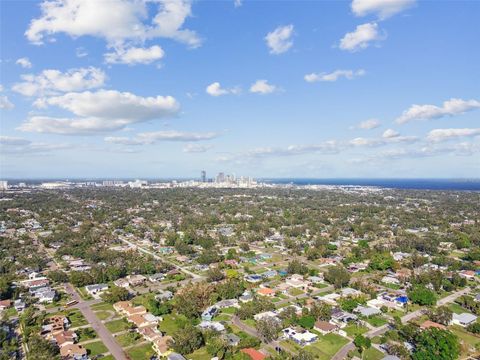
(100, 111)
(215, 89)
(117, 21)
(134, 55)
(237, 3)
(81, 52)
(447, 134)
(24, 62)
(195, 148)
(147, 138)
(14, 141)
(390, 133)
(360, 141)
(280, 39)
(263, 87)
(382, 8)
(327, 147)
(334, 76)
(51, 81)
(5, 103)
(361, 38)
(369, 124)
(426, 112)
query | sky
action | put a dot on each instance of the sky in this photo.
(167, 88)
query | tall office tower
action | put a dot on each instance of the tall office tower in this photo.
(204, 176)
(3, 185)
(220, 177)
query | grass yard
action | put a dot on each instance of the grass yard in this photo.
(376, 321)
(103, 315)
(327, 346)
(102, 307)
(141, 352)
(355, 329)
(295, 292)
(370, 354)
(83, 293)
(116, 326)
(222, 317)
(249, 322)
(200, 354)
(76, 318)
(130, 338)
(468, 340)
(108, 357)
(95, 348)
(229, 310)
(457, 309)
(171, 323)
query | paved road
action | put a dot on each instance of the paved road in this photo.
(342, 353)
(97, 325)
(155, 256)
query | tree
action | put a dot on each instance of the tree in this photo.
(41, 349)
(362, 343)
(419, 294)
(436, 344)
(321, 311)
(230, 289)
(306, 322)
(58, 276)
(116, 294)
(296, 267)
(193, 299)
(215, 274)
(441, 315)
(187, 340)
(268, 329)
(338, 276)
(303, 355)
(382, 261)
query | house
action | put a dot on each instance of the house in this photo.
(232, 339)
(324, 327)
(253, 278)
(212, 325)
(367, 311)
(390, 280)
(73, 351)
(209, 313)
(463, 319)
(347, 292)
(227, 303)
(297, 282)
(19, 305)
(300, 336)
(141, 320)
(246, 297)
(5, 304)
(269, 274)
(430, 324)
(65, 338)
(315, 279)
(150, 333)
(266, 292)
(164, 295)
(175, 356)
(136, 280)
(126, 308)
(161, 345)
(95, 289)
(253, 354)
(121, 283)
(156, 277)
(45, 295)
(265, 315)
(467, 274)
(342, 318)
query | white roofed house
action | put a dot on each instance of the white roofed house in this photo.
(301, 336)
(463, 319)
(96, 289)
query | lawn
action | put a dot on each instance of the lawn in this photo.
(130, 338)
(74, 316)
(371, 354)
(141, 352)
(116, 326)
(102, 307)
(95, 348)
(295, 292)
(83, 293)
(249, 322)
(222, 317)
(108, 357)
(200, 354)
(376, 321)
(327, 346)
(229, 310)
(469, 340)
(171, 323)
(103, 315)
(355, 329)
(457, 309)
(82, 335)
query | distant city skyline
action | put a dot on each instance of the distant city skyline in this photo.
(168, 89)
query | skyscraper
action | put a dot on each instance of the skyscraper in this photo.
(203, 176)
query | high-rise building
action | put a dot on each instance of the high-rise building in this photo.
(3, 185)
(204, 176)
(220, 177)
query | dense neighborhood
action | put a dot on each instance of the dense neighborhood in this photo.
(267, 273)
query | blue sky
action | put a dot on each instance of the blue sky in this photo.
(166, 88)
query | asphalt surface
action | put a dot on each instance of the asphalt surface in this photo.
(105, 335)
